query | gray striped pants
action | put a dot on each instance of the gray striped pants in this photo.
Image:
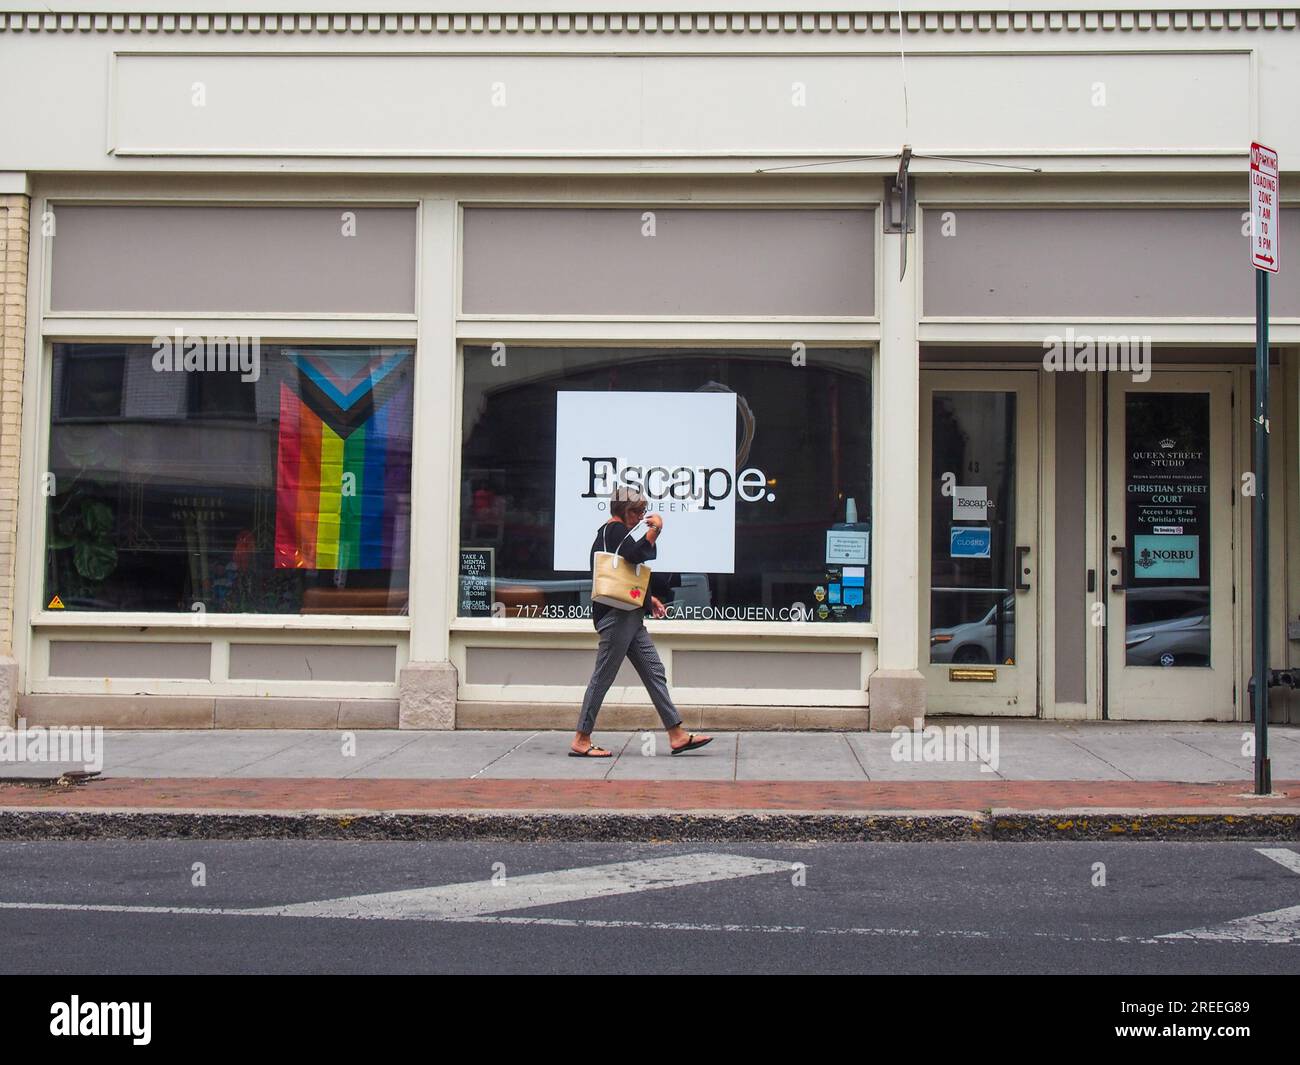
(623, 635)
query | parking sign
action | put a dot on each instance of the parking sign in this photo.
(1264, 229)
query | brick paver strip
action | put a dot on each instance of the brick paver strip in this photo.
(372, 794)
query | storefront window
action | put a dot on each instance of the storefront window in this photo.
(758, 461)
(229, 476)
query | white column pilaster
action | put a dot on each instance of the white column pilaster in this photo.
(427, 688)
(897, 690)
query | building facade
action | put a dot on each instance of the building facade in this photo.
(329, 330)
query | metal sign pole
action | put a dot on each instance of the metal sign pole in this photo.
(1265, 208)
(1259, 559)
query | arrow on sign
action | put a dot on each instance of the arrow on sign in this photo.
(1264, 179)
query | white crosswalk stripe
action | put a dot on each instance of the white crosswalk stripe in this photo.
(1283, 857)
(484, 901)
(1275, 926)
(477, 897)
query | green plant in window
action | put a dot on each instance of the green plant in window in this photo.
(86, 526)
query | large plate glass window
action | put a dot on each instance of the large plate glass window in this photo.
(228, 476)
(759, 464)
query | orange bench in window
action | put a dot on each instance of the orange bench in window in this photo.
(354, 601)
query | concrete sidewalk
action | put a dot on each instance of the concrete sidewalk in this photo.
(1025, 750)
(1016, 780)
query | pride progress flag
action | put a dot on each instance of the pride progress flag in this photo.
(344, 465)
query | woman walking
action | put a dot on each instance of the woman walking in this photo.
(623, 634)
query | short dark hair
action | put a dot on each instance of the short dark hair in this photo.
(625, 499)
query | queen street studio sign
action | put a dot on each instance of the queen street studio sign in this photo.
(678, 449)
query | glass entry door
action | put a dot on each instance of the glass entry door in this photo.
(979, 547)
(1169, 616)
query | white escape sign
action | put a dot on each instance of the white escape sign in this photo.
(1265, 253)
(970, 502)
(678, 449)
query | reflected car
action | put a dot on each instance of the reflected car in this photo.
(1172, 629)
(976, 642)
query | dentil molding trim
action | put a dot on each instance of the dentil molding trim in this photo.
(627, 24)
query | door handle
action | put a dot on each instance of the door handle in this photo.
(1022, 571)
(1121, 584)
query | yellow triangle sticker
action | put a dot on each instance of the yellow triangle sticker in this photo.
(56, 604)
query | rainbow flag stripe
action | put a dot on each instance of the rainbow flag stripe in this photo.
(344, 467)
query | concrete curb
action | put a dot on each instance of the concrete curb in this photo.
(1191, 823)
(588, 826)
(699, 826)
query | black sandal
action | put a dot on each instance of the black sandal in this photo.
(690, 744)
(587, 753)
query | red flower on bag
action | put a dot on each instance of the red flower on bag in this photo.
(635, 593)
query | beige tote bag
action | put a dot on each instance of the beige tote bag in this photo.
(617, 582)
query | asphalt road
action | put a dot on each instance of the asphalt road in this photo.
(136, 907)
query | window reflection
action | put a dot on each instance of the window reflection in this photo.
(808, 428)
(972, 528)
(182, 489)
(1167, 516)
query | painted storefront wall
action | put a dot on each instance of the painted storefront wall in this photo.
(440, 228)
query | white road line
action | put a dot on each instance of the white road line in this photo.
(477, 897)
(558, 922)
(695, 926)
(661, 926)
(117, 907)
(1275, 926)
(484, 902)
(1283, 857)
